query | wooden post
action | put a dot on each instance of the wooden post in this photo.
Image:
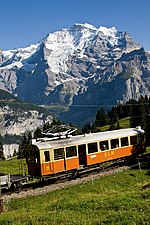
(1, 200)
(92, 179)
(1, 205)
(139, 165)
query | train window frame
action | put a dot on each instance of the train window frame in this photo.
(114, 143)
(59, 156)
(72, 150)
(132, 142)
(104, 145)
(124, 141)
(46, 156)
(92, 148)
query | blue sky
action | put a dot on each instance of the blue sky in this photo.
(24, 22)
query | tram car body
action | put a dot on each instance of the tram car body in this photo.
(51, 157)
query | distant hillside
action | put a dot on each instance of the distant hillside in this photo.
(4, 96)
(17, 117)
(7, 98)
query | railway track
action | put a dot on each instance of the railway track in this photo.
(34, 191)
(38, 188)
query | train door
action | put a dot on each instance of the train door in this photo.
(59, 160)
(82, 155)
(33, 160)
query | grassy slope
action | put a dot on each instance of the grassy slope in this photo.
(11, 166)
(124, 123)
(122, 198)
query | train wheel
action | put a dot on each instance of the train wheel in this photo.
(74, 174)
(13, 187)
(16, 186)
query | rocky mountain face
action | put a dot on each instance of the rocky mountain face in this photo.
(18, 121)
(16, 118)
(82, 67)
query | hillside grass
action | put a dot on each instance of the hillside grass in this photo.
(124, 123)
(119, 199)
(12, 165)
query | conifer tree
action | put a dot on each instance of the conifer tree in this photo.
(120, 111)
(23, 146)
(101, 118)
(138, 114)
(113, 115)
(2, 157)
(112, 126)
(37, 133)
(87, 128)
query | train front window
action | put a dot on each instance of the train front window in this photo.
(71, 151)
(92, 147)
(47, 156)
(58, 153)
(141, 138)
(133, 140)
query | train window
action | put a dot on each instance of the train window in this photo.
(124, 141)
(133, 140)
(47, 156)
(58, 153)
(92, 147)
(114, 143)
(71, 151)
(103, 145)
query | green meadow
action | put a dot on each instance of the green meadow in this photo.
(12, 166)
(122, 198)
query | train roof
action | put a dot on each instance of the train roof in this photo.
(86, 138)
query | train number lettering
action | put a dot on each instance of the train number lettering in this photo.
(109, 154)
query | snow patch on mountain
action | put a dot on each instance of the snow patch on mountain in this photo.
(110, 33)
(18, 57)
(67, 42)
(60, 46)
(86, 25)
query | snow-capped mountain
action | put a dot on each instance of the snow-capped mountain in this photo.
(75, 67)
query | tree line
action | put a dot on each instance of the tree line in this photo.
(137, 110)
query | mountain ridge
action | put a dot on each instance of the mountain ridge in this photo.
(78, 65)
